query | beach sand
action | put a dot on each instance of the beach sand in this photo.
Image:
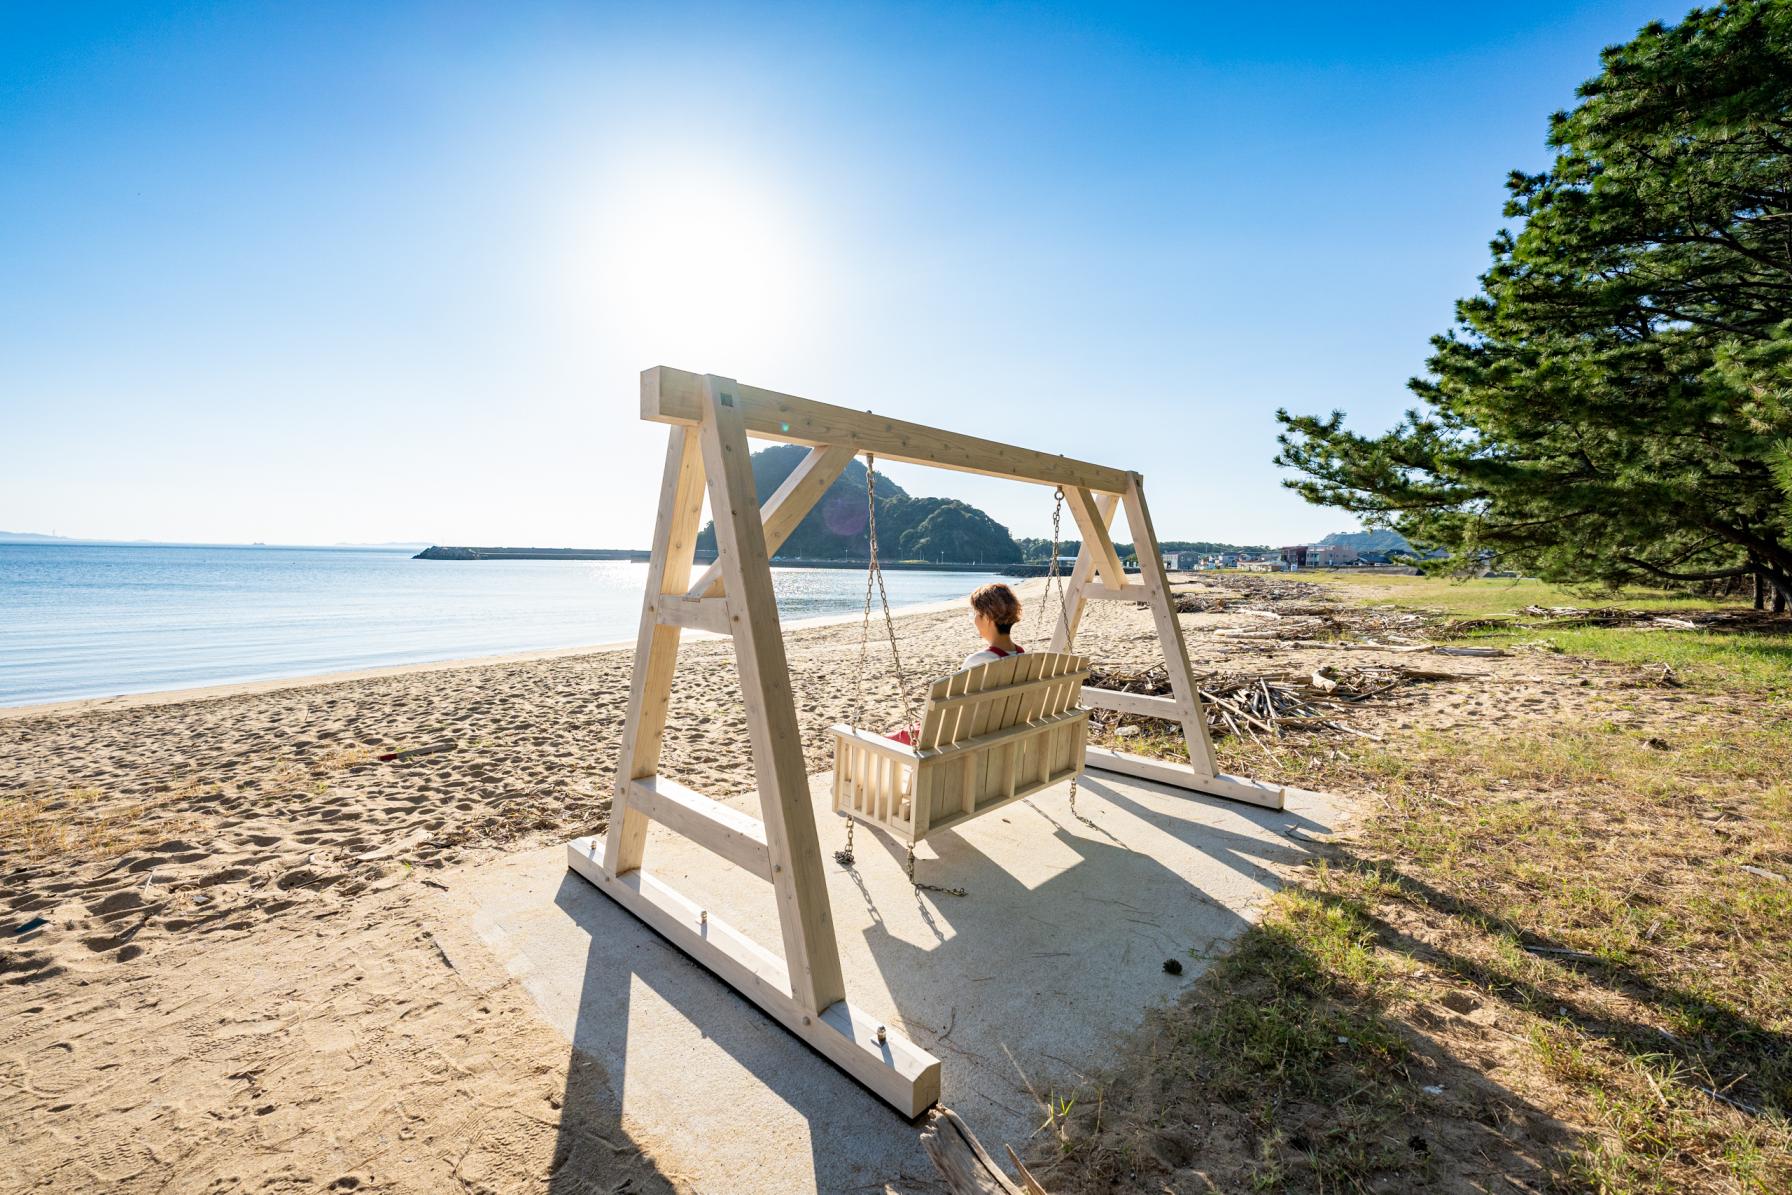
(222, 966)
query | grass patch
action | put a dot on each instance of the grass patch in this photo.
(83, 824)
(1569, 911)
(1297, 1061)
(1482, 596)
(1749, 659)
(1560, 959)
(1710, 659)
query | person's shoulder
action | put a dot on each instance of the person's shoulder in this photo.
(986, 656)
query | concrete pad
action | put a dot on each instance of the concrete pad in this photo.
(1020, 988)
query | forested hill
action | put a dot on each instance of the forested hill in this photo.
(908, 528)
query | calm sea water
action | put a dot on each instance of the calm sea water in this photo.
(90, 621)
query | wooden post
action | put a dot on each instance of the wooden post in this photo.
(656, 646)
(1169, 630)
(1094, 527)
(786, 508)
(810, 950)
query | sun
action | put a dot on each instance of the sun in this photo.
(703, 269)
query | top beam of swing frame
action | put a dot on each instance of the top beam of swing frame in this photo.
(676, 396)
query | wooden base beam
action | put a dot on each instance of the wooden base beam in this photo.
(894, 1069)
(1235, 788)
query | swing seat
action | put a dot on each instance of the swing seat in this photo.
(989, 735)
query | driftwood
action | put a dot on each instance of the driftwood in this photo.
(1398, 648)
(1253, 706)
(1553, 617)
(965, 1165)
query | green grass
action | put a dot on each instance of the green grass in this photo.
(1301, 1048)
(1753, 659)
(1597, 841)
(1712, 659)
(1298, 1057)
(1581, 888)
(1486, 596)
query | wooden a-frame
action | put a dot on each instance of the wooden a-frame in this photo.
(711, 419)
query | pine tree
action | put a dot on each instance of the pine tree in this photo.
(1612, 404)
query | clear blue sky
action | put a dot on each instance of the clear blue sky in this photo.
(319, 273)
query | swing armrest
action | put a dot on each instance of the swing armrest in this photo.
(900, 752)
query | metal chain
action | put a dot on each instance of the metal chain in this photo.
(1074, 811)
(874, 572)
(913, 882)
(845, 857)
(858, 710)
(1052, 573)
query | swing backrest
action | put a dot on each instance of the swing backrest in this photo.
(997, 732)
(1000, 694)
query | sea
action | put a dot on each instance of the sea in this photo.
(87, 620)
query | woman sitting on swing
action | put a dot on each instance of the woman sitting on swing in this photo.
(995, 612)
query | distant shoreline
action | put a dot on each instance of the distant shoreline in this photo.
(641, 556)
(270, 684)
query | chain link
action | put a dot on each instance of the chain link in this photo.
(874, 573)
(1054, 574)
(914, 883)
(876, 570)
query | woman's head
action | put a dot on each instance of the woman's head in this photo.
(995, 607)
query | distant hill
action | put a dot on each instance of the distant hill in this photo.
(1380, 540)
(32, 537)
(908, 528)
(1040, 550)
(1207, 547)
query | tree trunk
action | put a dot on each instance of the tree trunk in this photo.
(1760, 591)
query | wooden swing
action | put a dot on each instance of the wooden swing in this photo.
(987, 735)
(710, 419)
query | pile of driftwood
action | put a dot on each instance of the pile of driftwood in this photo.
(1194, 601)
(1605, 616)
(1393, 628)
(1304, 615)
(1557, 617)
(1204, 603)
(1263, 705)
(1387, 631)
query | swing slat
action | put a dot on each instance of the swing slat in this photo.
(989, 735)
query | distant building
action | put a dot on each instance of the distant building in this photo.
(1330, 555)
(1297, 556)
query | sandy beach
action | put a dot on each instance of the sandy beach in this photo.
(221, 967)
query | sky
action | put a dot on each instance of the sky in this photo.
(319, 273)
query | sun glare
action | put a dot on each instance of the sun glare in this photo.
(707, 271)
